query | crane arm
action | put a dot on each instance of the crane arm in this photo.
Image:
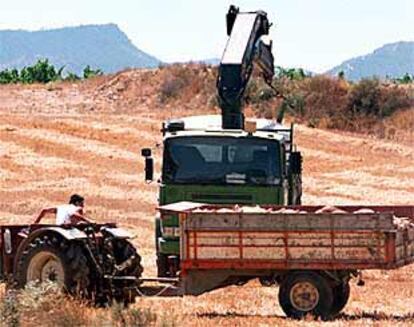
(244, 48)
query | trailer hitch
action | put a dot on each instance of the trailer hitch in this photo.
(130, 278)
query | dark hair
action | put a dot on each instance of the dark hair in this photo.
(75, 198)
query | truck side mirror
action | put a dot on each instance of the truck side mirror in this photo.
(146, 152)
(149, 169)
(149, 165)
(295, 163)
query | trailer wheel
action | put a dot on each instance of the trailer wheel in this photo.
(52, 259)
(341, 295)
(303, 293)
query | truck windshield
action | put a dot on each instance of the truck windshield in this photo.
(220, 160)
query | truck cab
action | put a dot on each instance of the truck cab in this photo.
(202, 162)
(227, 159)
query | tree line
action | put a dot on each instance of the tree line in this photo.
(44, 72)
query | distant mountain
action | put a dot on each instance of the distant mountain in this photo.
(392, 60)
(211, 61)
(100, 46)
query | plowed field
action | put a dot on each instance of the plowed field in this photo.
(65, 138)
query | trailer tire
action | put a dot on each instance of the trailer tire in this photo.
(49, 258)
(303, 293)
(341, 295)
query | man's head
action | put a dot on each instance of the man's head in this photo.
(76, 200)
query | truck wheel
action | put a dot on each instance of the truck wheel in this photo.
(162, 259)
(341, 295)
(51, 259)
(303, 293)
(162, 265)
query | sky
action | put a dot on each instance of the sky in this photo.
(312, 34)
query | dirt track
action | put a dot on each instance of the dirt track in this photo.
(64, 138)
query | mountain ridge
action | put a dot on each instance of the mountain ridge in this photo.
(103, 46)
(392, 60)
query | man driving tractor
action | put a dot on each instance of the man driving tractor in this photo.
(66, 214)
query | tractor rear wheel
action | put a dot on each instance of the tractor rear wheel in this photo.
(50, 259)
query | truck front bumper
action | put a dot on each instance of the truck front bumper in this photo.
(169, 246)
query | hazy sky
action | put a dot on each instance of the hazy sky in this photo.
(313, 34)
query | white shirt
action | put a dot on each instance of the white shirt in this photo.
(65, 212)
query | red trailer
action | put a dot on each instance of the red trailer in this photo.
(311, 252)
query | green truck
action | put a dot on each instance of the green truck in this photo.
(223, 159)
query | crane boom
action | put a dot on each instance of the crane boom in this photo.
(244, 48)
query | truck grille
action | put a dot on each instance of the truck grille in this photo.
(222, 198)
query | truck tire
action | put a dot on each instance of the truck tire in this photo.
(162, 265)
(52, 259)
(162, 259)
(341, 295)
(303, 293)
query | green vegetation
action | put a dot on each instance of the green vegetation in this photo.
(43, 72)
(406, 79)
(294, 74)
(330, 102)
(319, 101)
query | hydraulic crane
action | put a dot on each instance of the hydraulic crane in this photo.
(244, 48)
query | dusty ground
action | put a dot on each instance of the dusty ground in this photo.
(86, 138)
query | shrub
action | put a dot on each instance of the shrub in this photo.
(43, 72)
(405, 79)
(391, 99)
(257, 91)
(174, 82)
(364, 98)
(371, 99)
(135, 317)
(9, 76)
(88, 72)
(71, 77)
(294, 74)
(322, 99)
(9, 310)
(45, 303)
